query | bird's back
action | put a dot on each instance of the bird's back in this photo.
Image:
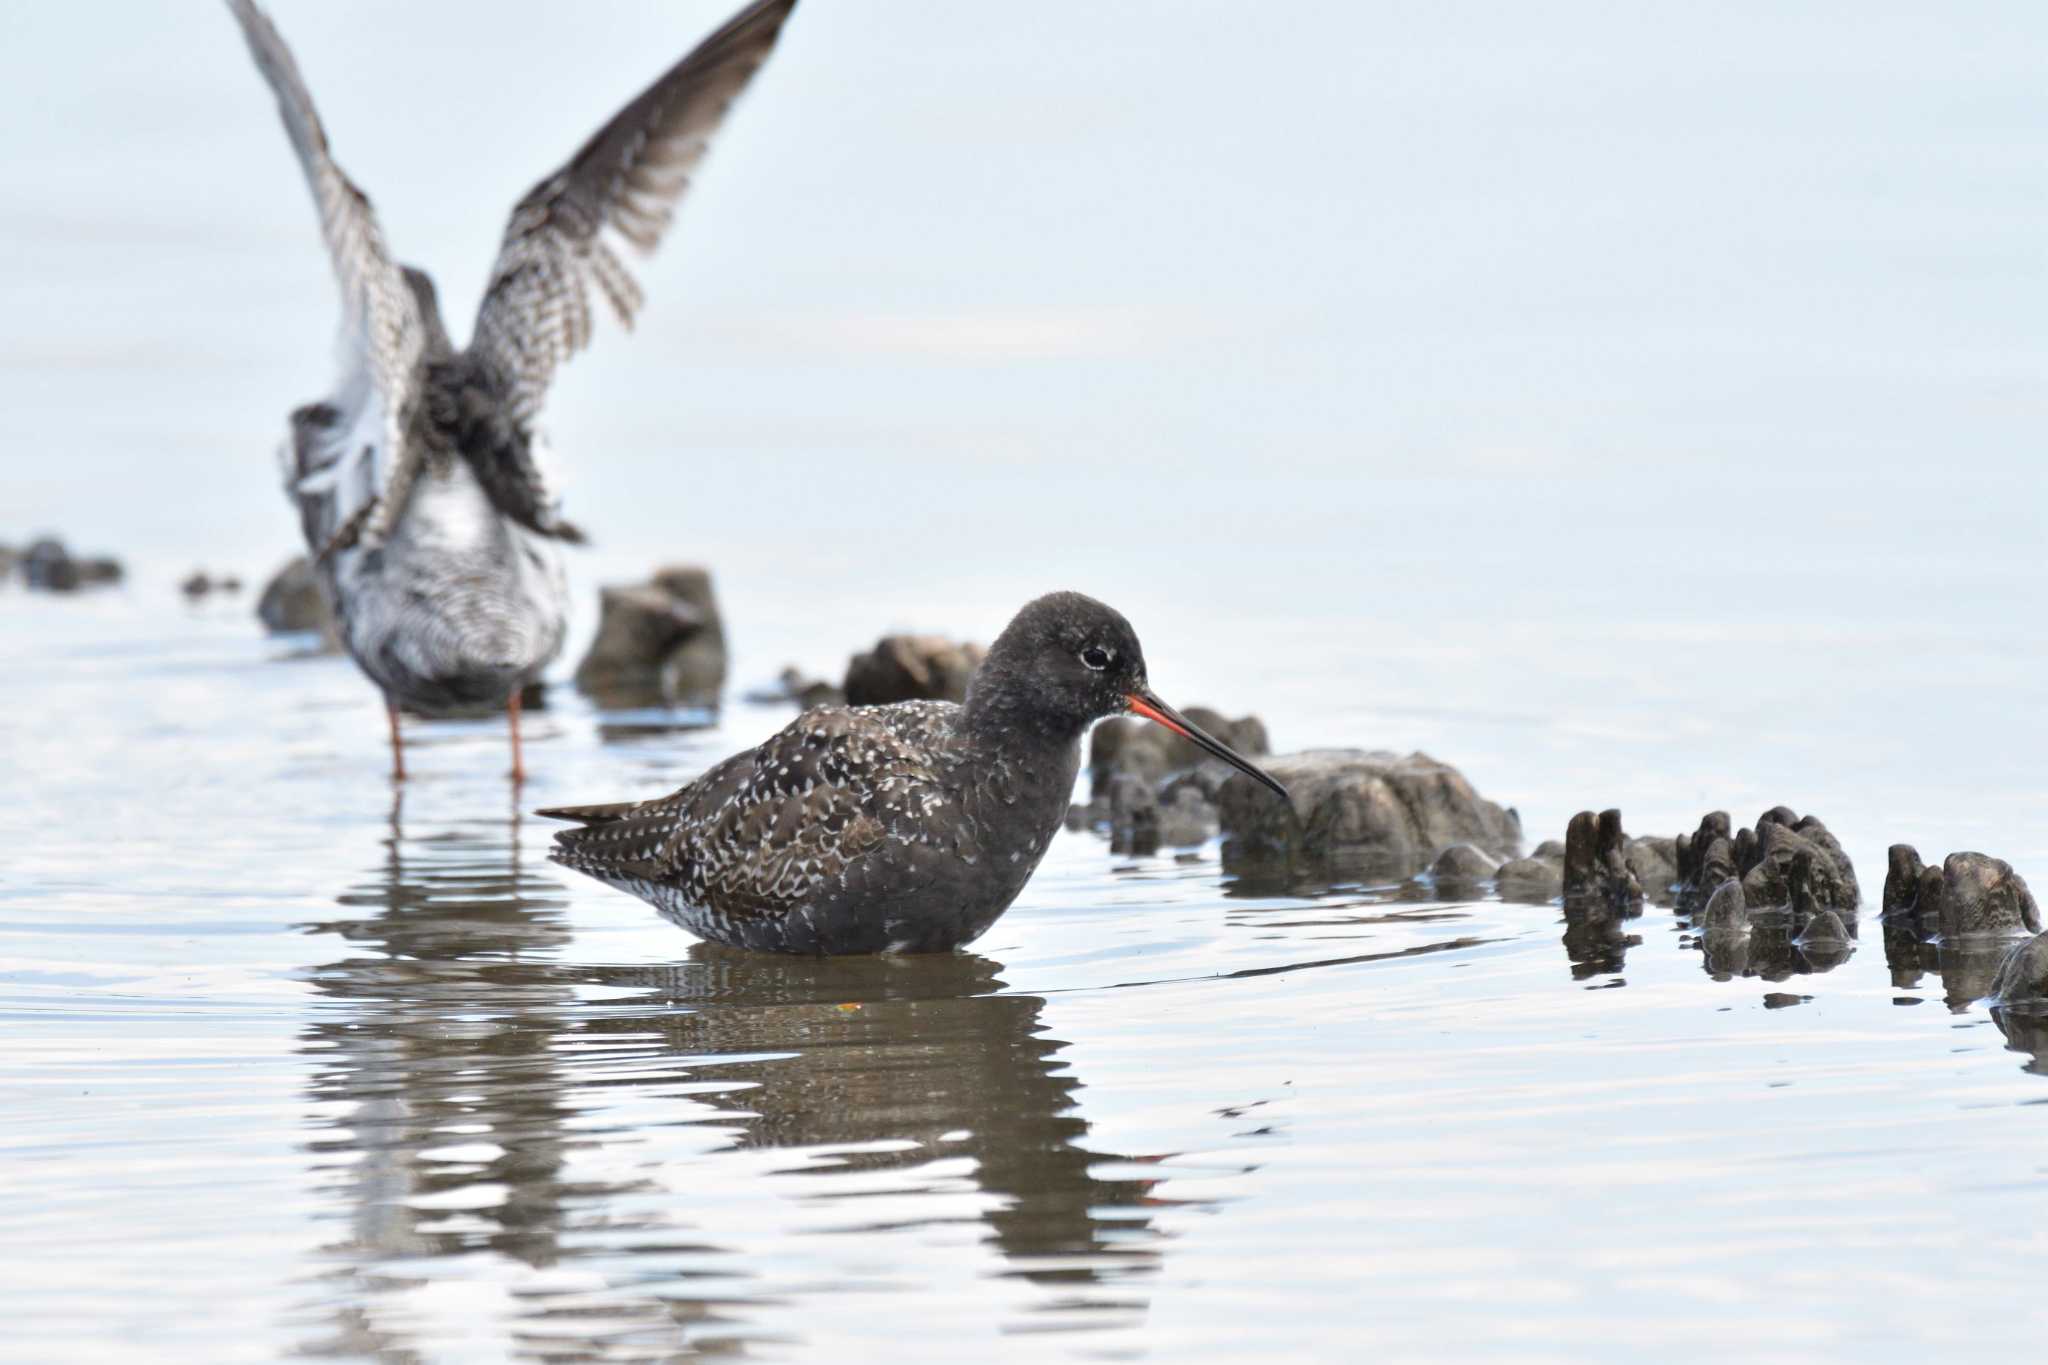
(767, 847)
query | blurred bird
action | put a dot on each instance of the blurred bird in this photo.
(419, 483)
(905, 828)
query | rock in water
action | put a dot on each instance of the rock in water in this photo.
(659, 643)
(1150, 752)
(293, 602)
(1353, 810)
(1535, 880)
(1725, 911)
(1596, 863)
(1767, 859)
(2023, 974)
(1983, 895)
(911, 668)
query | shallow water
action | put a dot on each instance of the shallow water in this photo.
(298, 1064)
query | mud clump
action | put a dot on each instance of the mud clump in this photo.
(911, 668)
(658, 643)
(1353, 811)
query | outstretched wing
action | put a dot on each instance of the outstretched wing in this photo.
(626, 179)
(383, 329)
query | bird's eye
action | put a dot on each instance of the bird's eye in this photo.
(1096, 657)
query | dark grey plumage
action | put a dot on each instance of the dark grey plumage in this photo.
(905, 828)
(420, 483)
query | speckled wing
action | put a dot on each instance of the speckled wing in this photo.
(383, 333)
(625, 182)
(769, 830)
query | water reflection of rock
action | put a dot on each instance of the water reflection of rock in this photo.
(452, 1056)
(2026, 1030)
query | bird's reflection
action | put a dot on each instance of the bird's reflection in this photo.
(463, 1075)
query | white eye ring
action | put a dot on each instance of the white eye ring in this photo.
(1096, 657)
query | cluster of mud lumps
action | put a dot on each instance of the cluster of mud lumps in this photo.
(46, 564)
(658, 643)
(1773, 900)
(1361, 813)
(1786, 861)
(294, 603)
(1959, 921)
(898, 668)
(1150, 789)
(1601, 866)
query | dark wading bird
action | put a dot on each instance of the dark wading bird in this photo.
(905, 828)
(419, 483)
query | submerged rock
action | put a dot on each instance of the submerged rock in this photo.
(794, 685)
(199, 583)
(1535, 880)
(1465, 863)
(911, 668)
(293, 603)
(1726, 912)
(659, 643)
(1971, 895)
(1983, 895)
(49, 565)
(1596, 863)
(1187, 818)
(1786, 861)
(1797, 862)
(1153, 752)
(2022, 976)
(1352, 810)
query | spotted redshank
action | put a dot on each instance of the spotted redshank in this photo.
(905, 828)
(420, 483)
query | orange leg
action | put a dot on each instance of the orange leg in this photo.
(512, 713)
(397, 754)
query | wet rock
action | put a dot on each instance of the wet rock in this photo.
(911, 668)
(2023, 973)
(1902, 872)
(199, 583)
(1724, 932)
(1596, 866)
(1535, 880)
(1983, 896)
(1725, 911)
(1186, 819)
(293, 603)
(1799, 859)
(659, 643)
(1353, 810)
(1824, 941)
(1461, 872)
(794, 685)
(1654, 860)
(1465, 863)
(48, 565)
(1153, 752)
(1133, 813)
(1767, 859)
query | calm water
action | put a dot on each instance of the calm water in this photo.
(301, 1065)
(1635, 409)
